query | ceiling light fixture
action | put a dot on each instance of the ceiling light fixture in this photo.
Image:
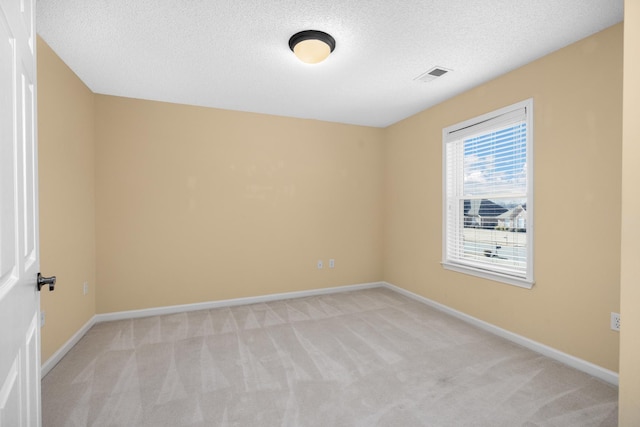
(312, 46)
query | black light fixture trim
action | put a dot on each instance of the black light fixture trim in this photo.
(312, 35)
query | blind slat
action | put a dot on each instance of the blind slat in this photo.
(478, 126)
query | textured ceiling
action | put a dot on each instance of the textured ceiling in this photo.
(235, 54)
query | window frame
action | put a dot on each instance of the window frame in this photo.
(483, 122)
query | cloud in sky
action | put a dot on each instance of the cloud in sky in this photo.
(483, 174)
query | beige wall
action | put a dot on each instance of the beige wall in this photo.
(630, 266)
(198, 204)
(577, 95)
(67, 198)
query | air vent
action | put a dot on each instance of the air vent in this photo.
(432, 74)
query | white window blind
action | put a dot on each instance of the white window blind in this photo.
(488, 208)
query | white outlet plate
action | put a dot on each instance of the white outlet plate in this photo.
(319, 264)
(85, 288)
(332, 263)
(615, 321)
(42, 318)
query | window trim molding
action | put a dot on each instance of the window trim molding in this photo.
(486, 274)
(523, 282)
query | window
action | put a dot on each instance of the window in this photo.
(488, 197)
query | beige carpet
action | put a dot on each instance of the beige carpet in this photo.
(364, 358)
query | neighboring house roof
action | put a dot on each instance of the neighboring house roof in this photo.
(518, 211)
(483, 208)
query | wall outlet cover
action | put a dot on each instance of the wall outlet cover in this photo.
(615, 321)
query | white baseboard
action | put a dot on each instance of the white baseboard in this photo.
(132, 314)
(62, 351)
(580, 364)
(577, 363)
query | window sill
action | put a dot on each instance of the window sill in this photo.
(490, 275)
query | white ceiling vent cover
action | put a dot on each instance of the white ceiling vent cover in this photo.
(432, 74)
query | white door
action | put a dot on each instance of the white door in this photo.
(19, 262)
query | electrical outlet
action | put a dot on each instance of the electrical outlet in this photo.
(42, 318)
(85, 288)
(615, 321)
(332, 263)
(319, 264)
